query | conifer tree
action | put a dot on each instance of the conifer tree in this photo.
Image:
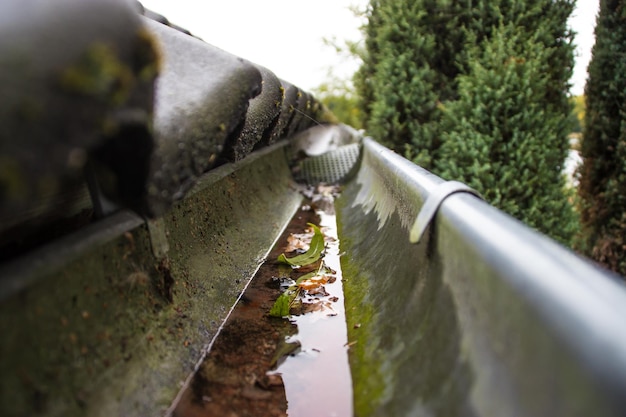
(415, 50)
(370, 57)
(395, 81)
(501, 138)
(477, 90)
(603, 173)
(409, 69)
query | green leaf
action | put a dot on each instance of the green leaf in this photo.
(283, 303)
(321, 271)
(312, 255)
(281, 306)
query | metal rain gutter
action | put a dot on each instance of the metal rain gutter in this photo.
(538, 329)
(455, 308)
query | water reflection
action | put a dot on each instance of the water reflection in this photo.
(317, 379)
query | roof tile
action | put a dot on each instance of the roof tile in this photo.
(201, 100)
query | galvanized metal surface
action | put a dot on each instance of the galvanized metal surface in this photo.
(327, 154)
(333, 167)
(430, 207)
(485, 317)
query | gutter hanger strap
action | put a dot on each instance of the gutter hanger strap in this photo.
(430, 207)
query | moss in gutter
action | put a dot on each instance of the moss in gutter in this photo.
(403, 315)
(115, 331)
(368, 382)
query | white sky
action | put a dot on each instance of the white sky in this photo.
(286, 36)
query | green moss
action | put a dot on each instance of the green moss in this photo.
(148, 57)
(100, 74)
(108, 334)
(401, 314)
(368, 383)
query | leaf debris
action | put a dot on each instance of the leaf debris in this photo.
(312, 255)
(310, 284)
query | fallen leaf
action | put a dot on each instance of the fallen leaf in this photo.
(319, 291)
(297, 241)
(313, 282)
(281, 306)
(312, 255)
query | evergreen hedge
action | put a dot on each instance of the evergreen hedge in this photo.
(395, 81)
(477, 90)
(501, 138)
(603, 174)
(409, 69)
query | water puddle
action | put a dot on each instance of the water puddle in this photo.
(318, 376)
(295, 365)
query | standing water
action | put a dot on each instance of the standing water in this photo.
(293, 363)
(318, 377)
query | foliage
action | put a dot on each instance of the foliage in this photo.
(338, 96)
(476, 90)
(312, 255)
(503, 140)
(415, 51)
(309, 283)
(413, 54)
(578, 113)
(603, 173)
(282, 304)
(396, 81)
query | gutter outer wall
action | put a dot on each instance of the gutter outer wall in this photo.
(484, 317)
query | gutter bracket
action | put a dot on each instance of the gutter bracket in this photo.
(433, 201)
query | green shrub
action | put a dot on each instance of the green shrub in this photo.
(602, 187)
(501, 138)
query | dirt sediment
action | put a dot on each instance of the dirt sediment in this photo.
(233, 380)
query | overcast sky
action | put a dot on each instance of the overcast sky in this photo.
(286, 36)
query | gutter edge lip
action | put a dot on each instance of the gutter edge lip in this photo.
(577, 301)
(20, 273)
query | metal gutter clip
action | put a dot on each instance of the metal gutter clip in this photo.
(434, 200)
